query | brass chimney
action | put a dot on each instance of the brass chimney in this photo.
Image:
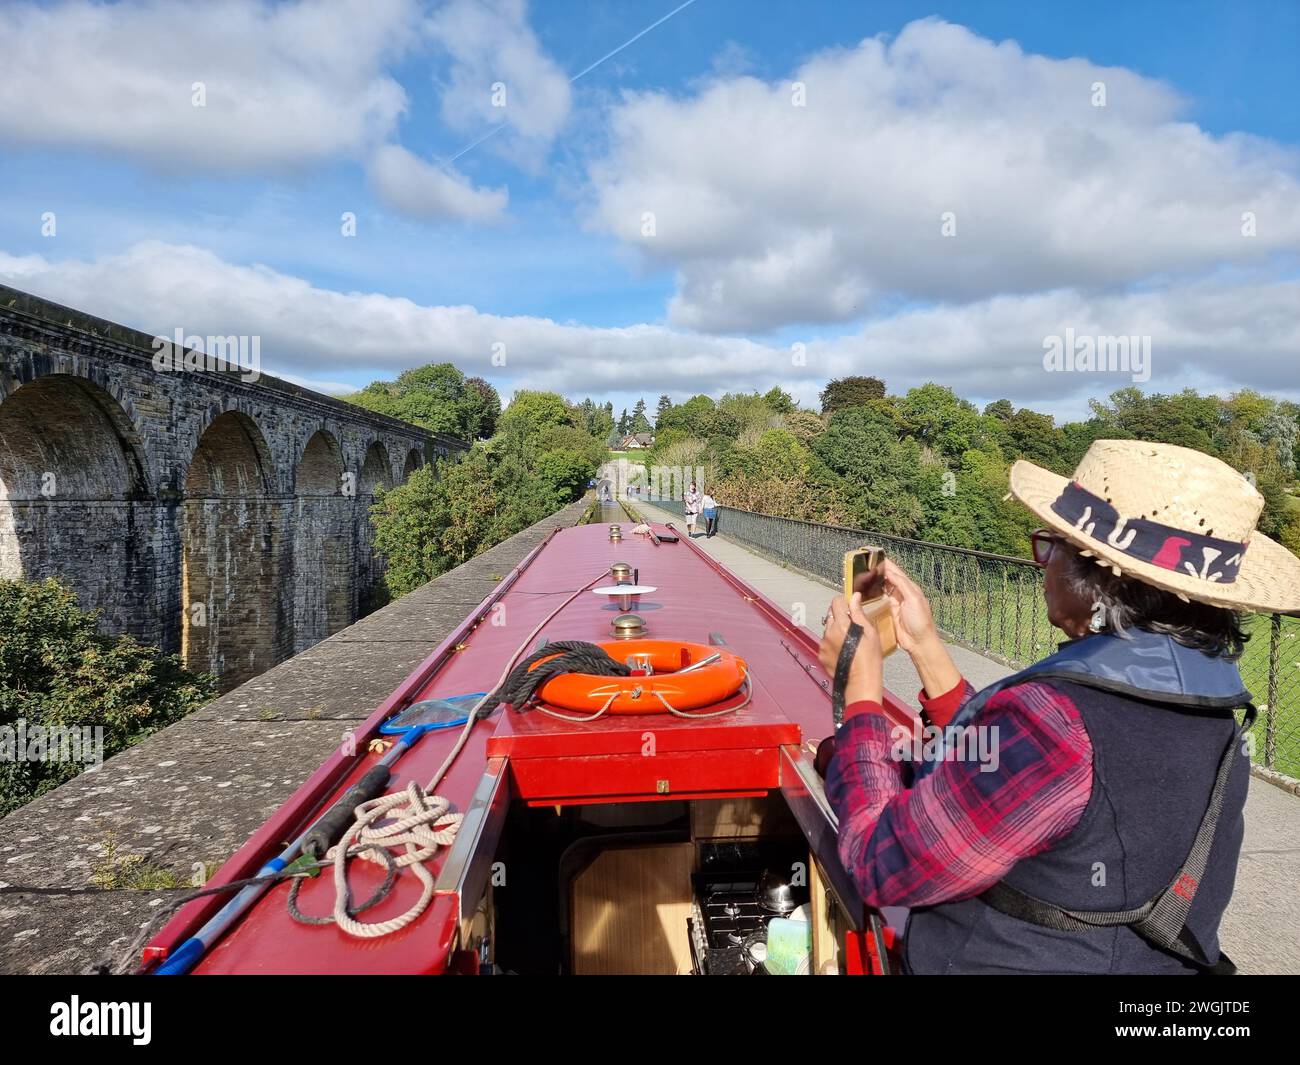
(628, 626)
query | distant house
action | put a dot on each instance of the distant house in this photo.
(636, 441)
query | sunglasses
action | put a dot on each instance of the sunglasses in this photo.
(1041, 542)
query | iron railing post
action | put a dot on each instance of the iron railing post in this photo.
(1270, 715)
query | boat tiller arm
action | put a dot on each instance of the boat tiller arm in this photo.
(330, 828)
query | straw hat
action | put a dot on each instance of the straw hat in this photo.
(1170, 516)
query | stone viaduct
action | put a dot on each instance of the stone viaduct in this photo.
(208, 511)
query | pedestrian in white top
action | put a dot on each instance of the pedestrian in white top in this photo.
(691, 508)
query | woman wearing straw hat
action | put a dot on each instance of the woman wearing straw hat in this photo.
(1103, 834)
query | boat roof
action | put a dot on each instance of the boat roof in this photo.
(533, 758)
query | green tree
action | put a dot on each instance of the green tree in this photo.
(846, 392)
(57, 669)
(1033, 436)
(569, 438)
(778, 402)
(770, 478)
(748, 412)
(691, 416)
(939, 419)
(803, 425)
(881, 474)
(723, 427)
(482, 408)
(1185, 419)
(441, 516)
(595, 420)
(1251, 416)
(531, 412)
(965, 507)
(438, 397)
(639, 423)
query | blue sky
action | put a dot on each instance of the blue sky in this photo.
(777, 228)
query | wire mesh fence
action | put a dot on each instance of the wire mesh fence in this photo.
(994, 605)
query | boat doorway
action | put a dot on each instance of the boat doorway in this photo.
(702, 887)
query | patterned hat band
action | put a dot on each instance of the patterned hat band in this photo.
(1179, 550)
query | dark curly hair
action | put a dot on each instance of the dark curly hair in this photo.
(1130, 603)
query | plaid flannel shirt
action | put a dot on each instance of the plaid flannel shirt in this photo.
(961, 828)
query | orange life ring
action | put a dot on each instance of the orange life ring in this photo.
(646, 695)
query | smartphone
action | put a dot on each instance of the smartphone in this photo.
(864, 572)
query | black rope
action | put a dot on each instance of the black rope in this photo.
(380, 893)
(562, 656)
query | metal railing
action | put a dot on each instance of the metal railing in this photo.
(994, 604)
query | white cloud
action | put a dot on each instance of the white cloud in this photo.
(1214, 336)
(286, 84)
(1208, 335)
(490, 43)
(422, 190)
(775, 214)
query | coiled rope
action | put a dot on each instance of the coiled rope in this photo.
(565, 656)
(421, 820)
(422, 824)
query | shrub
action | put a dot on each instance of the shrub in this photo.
(56, 668)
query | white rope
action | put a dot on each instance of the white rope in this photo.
(749, 693)
(421, 821)
(569, 717)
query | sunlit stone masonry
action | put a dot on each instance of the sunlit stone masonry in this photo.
(214, 512)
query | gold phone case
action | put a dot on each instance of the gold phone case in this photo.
(876, 609)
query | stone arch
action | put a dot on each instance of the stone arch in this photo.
(73, 429)
(75, 500)
(231, 459)
(414, 460)
(376, 470)
(320, 467)
(323, 543)
(102, 389)
(250, 420)
(231, 549)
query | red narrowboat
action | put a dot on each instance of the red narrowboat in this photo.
(662, 818)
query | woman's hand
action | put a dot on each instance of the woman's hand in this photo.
(916, 633)
(913, 619)
(866, 674)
